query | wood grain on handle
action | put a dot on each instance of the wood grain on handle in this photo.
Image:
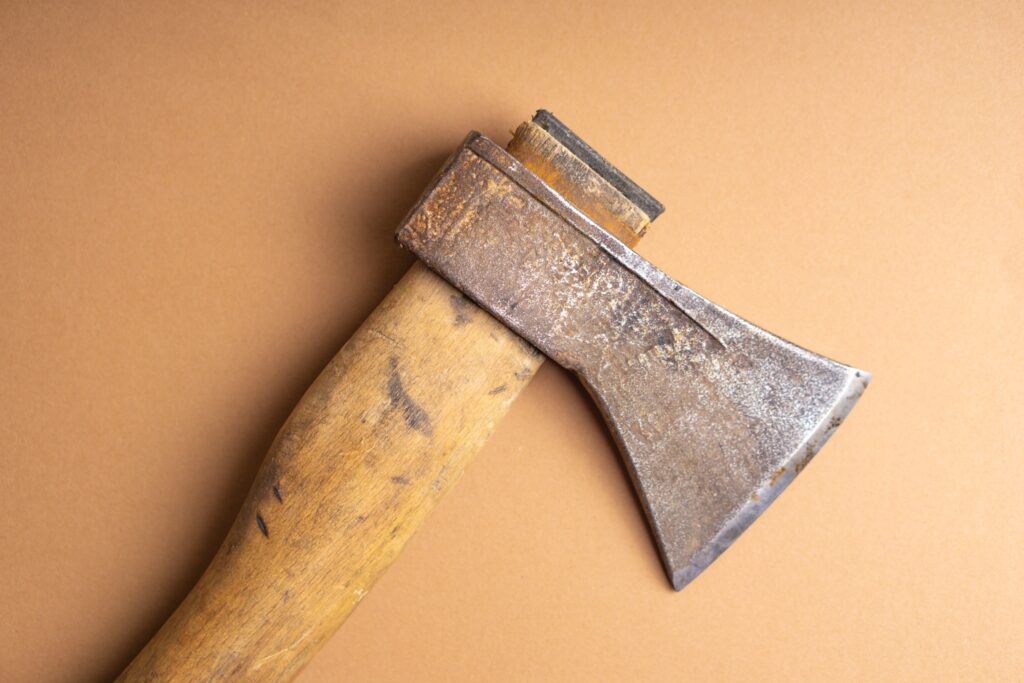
(383, 433)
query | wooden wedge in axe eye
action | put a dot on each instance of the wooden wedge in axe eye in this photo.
(522, 252)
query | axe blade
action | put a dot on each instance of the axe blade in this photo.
(713, 415)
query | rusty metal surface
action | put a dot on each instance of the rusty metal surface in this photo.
(714, 416)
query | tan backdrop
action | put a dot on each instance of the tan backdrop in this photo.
(196, 210)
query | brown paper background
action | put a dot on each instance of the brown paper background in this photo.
(196, 206)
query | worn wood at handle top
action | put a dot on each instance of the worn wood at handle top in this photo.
(383, 433)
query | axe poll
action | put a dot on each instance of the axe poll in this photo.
(524, 253)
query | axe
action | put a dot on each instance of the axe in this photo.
(524, 253)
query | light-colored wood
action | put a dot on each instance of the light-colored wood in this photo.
(382, 434)
(573, 179)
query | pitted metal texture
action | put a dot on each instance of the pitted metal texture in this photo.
(713, 415)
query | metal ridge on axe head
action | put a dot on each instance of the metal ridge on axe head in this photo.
(714, 416)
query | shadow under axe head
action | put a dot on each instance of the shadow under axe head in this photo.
(714, 416)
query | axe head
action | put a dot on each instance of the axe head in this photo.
(713, 415)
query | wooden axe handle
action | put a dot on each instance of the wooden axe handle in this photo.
(383, 433)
